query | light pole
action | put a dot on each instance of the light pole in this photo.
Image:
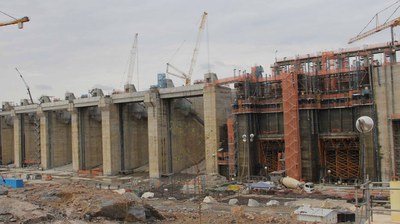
(364, 125)
(246, 152)
(244, 139)
(329, 176)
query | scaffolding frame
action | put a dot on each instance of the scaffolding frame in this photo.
(290, 100)
(321, 81)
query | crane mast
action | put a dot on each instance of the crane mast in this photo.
(26, 85)
(196, 48)
(132, 59)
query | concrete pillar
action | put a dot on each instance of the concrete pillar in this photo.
(157, 131)
(211, 129)
(110, 137)
(217, 108)
(44, 140)
(17, 139)
(386, 89)
(75, 139)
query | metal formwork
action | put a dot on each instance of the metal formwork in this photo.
(269, 154)
(341, 157)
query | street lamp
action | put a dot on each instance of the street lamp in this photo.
(246, 152)
(329, 176)
(364, 125)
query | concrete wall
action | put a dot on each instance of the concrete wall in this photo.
(59, 139)
(7, 140)
(135, 140)
(90, 133)
(386, 92)
(27, 134)
(309, 145)
(243, 147)
(187, 138)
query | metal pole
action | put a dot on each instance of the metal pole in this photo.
(364, 158)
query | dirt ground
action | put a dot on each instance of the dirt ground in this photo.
(68, 198)
(52, 202)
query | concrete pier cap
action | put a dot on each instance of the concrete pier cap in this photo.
(210, 77)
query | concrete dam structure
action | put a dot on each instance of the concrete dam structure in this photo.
(166, 128)
(299, 119)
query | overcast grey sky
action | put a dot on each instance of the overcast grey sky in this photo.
(77, 45)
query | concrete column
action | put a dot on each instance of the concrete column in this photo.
(75, 139)
(217, 107)
(44, 140)
(110, 137)
(211, 129)
(386, 89)
(17, 139)
(156, 130)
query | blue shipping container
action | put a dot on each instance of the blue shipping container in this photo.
(12, 182)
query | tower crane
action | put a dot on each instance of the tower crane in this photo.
(387, 24)
(188, 76)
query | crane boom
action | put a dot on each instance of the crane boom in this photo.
(20, 22)
(132, 59)
(196, 48)
(391, 23)
(182, 76)
(26, 85)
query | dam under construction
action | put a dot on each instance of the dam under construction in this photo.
(299, 118)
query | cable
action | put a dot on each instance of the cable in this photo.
(376, 15)
(392, 14)
(8, 15)
(173, 55)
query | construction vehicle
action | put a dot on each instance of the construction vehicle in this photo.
(188, 76)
